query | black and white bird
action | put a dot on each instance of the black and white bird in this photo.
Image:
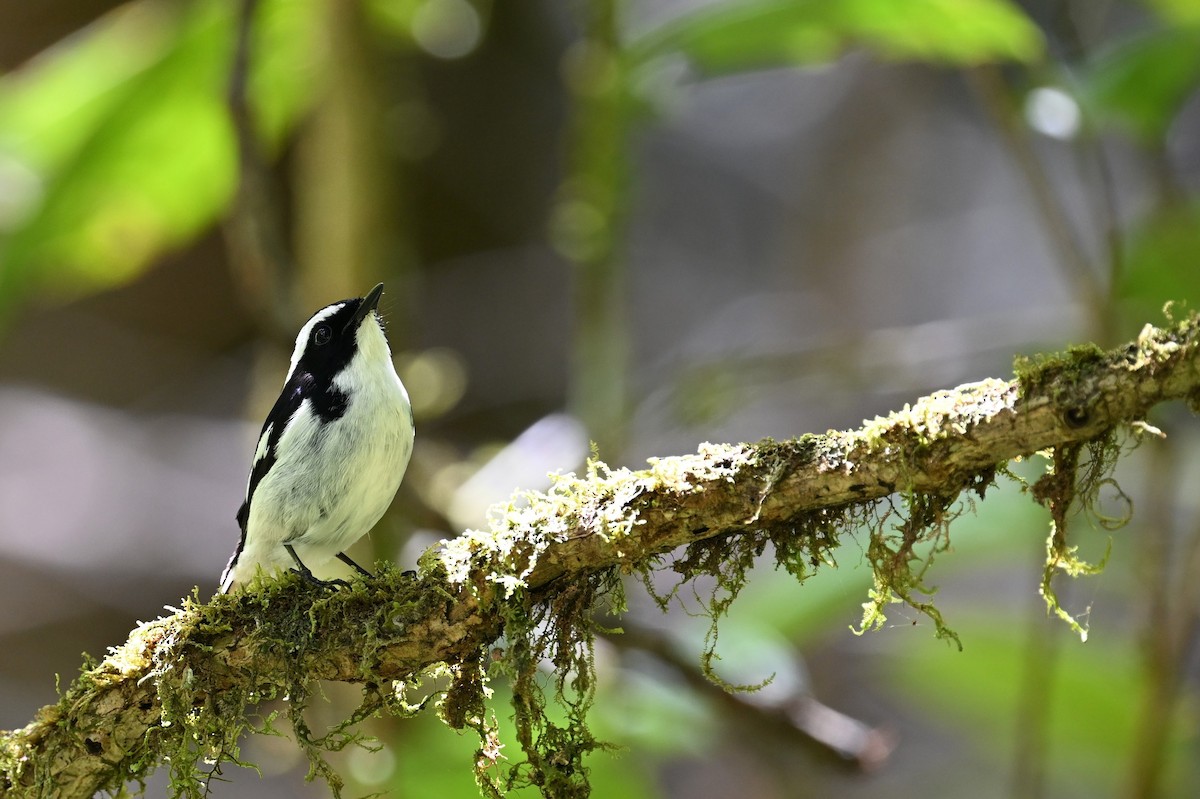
(332, 451)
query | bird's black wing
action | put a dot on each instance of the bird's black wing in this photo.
(290, 399)
(294, 392)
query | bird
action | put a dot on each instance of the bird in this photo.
(332, 451)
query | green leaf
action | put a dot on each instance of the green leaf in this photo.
(768, 33)
(50, 106)
(286, 64)
(1179, 12)
(152, 165)
(116, 144)
(1142, 84)
(392, 18)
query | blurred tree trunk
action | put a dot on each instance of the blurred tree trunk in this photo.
(351, 225)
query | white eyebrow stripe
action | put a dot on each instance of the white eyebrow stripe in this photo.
(302, 337)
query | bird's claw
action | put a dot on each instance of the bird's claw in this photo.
(312, 579)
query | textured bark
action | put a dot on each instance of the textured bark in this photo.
(108, 726)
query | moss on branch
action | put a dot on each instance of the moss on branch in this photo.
(181, 689)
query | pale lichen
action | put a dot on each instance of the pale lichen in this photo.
(603, 503)
(521, 529)
(941, 414)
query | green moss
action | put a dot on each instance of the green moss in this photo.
(205, 714)
(1061, 370)
(899, 565)
(1069, 488)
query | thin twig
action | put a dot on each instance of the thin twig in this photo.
(832, 735)
(254, 227)
(1072, 257)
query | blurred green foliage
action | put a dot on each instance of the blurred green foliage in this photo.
(978, 694)
(121, 141)
(1162, 264)
(1183, 12)
(116, 146)
(757, 34)
(1142, 83)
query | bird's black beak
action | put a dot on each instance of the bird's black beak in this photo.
(369, 304)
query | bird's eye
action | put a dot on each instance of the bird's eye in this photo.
(322, 335)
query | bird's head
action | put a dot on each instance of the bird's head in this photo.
(343, 335)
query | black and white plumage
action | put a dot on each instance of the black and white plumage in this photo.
(332, 451)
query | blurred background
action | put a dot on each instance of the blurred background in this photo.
(639, 223)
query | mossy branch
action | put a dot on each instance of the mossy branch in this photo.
(174, 690)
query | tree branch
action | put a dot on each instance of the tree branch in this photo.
(119, 719)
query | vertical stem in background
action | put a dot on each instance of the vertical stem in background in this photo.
(1035, 694)
(1041, 655)
(1071, 256)
(348, 217)
(1171, 621)
(1166, 574)
(588, 224)
(1032, 752)
(1165, 627)
(1188, 640)
(258, 253)
(351, 229)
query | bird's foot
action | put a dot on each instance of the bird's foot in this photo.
(312, 579)
(309, 577)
